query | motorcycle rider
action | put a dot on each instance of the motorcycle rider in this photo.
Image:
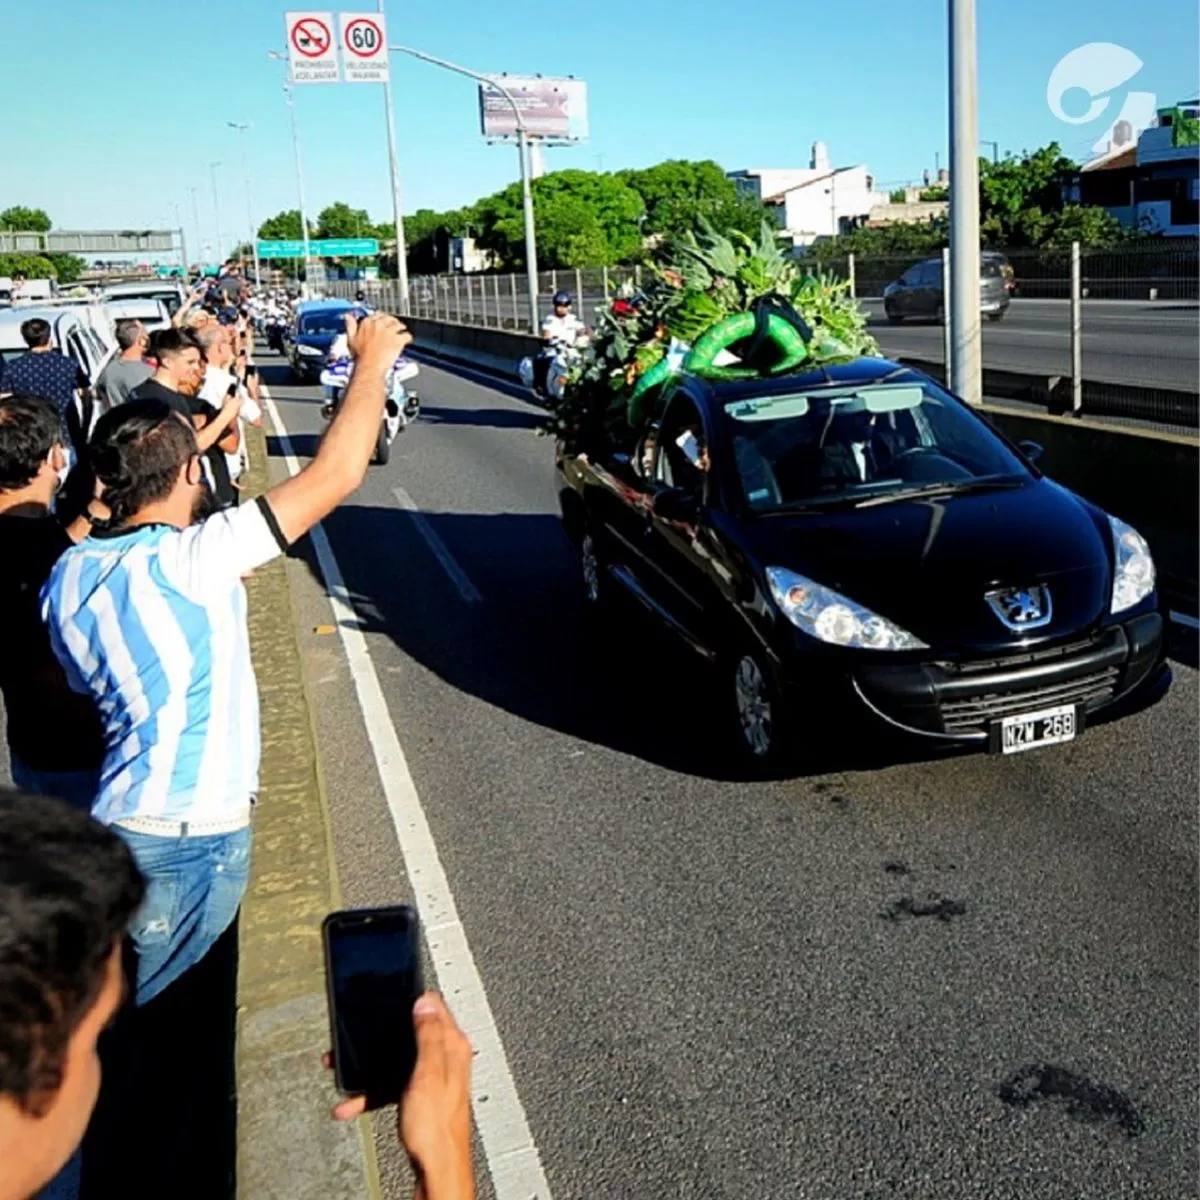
(560, 331)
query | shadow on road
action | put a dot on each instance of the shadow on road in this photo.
(530, 647)
(495, 418)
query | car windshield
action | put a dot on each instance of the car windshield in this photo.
(865, 444)
(324, 322)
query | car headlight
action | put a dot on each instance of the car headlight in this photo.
(1133, 567)
(310, 351)
(830, 617)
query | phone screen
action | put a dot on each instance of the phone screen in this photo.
(374, 977)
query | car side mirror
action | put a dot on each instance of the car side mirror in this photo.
(674, 504)
(1032, 450)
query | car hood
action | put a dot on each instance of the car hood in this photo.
(927, 564)
(322, 341)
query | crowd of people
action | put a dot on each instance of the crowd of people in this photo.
(133, 734)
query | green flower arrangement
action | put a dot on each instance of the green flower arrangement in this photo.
(723, 307)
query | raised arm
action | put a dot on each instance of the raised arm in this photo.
(341, 461)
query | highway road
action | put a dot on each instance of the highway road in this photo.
(1152, 344)
(938, 979)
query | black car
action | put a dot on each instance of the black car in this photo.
(920, 291)
(856, 545)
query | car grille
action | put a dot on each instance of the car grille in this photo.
(977, 666)
(972, 714)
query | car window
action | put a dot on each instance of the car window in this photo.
(681, 458)
(324, 322)
(911, 276)
(850, 443)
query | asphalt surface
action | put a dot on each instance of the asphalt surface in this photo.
(954, 978)
(1152, 344)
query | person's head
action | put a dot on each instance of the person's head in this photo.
(32, 455)
(35, 333)
(216, 342)
(360, 296)
(68, 889)
(180, 360)
(562, 303)
(145, 456)
(132, 336)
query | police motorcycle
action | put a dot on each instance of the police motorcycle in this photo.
(545, 374)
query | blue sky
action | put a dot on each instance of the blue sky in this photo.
(116, 121)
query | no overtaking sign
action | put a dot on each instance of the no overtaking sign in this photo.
(311, 52)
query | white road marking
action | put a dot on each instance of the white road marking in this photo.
(466, 589)
(1189, 622)
(508, 1146)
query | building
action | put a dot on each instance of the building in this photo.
(1151, 182)
(466, 258)
(813, 202)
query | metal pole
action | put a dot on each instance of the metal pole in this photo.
(196, 222)
(212, 170)
(964, 202)
(183, 252)
(291, 100)
(470, 300)
(483, 300)
(1076, 331)
(606, 293)
(243, 129)
(496, 297)
(457, 302)
(947, 343)
(397, 207)
(851, 275)
(530, 237)
(512, 283)
(579, 289)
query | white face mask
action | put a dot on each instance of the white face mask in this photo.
(60, 463)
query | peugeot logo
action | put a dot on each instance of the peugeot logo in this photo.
(1020, 609)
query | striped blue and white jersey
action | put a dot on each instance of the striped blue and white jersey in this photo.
(151, 622)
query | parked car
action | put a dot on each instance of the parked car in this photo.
(919, 292)
(151, 312)
(170, 291)
(83, 332)
(1006, 269)
(855, 550)
(306, 343)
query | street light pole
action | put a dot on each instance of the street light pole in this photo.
(212, 168)
(397, 207)
(182, 239)
(291, 103)
(196, 223)
(244, 128)
(995, 149)
(964, 203)
(522, 146)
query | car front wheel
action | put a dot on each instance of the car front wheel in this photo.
(892, 315)
(758, 711)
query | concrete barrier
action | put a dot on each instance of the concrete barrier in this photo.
(1147, 478)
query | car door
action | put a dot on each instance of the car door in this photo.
(682, 548)
(906, 296)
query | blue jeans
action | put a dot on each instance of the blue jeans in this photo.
(194, 886)
(79, 788)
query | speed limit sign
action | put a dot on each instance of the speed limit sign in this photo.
(364, 47)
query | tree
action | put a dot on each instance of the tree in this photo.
(25, 220)
(285, 226)
(1018, 196)
(680, 195)
(606, 213)
(32, 266)
(339, 220)
(67, 267)
(897, 196)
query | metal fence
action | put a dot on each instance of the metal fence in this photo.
(1135, 320)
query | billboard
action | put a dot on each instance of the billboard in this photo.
(550, 108)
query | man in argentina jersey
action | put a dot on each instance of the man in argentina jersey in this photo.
(149, 618)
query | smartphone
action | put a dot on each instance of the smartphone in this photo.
(251, 370)
(373, 979)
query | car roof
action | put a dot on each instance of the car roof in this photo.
(334, 303)
(11, 320)
(859, 372)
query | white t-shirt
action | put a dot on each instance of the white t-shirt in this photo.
(565, 330)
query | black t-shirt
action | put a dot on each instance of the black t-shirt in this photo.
(50, 727)
(153, 390)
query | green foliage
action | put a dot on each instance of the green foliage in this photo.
(695, 282)
(32, 266)
(284, 226)
(679, 195)
(1186, 130)
(933, 194)
(897, 196)
(339, 220)
(25, 220)
(67, 267)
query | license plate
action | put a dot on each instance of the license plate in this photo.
(1029, 731)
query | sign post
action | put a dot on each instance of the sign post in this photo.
(312, 55)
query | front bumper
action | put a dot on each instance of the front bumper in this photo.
(958, 700)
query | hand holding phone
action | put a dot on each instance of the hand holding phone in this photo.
(373, 978)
